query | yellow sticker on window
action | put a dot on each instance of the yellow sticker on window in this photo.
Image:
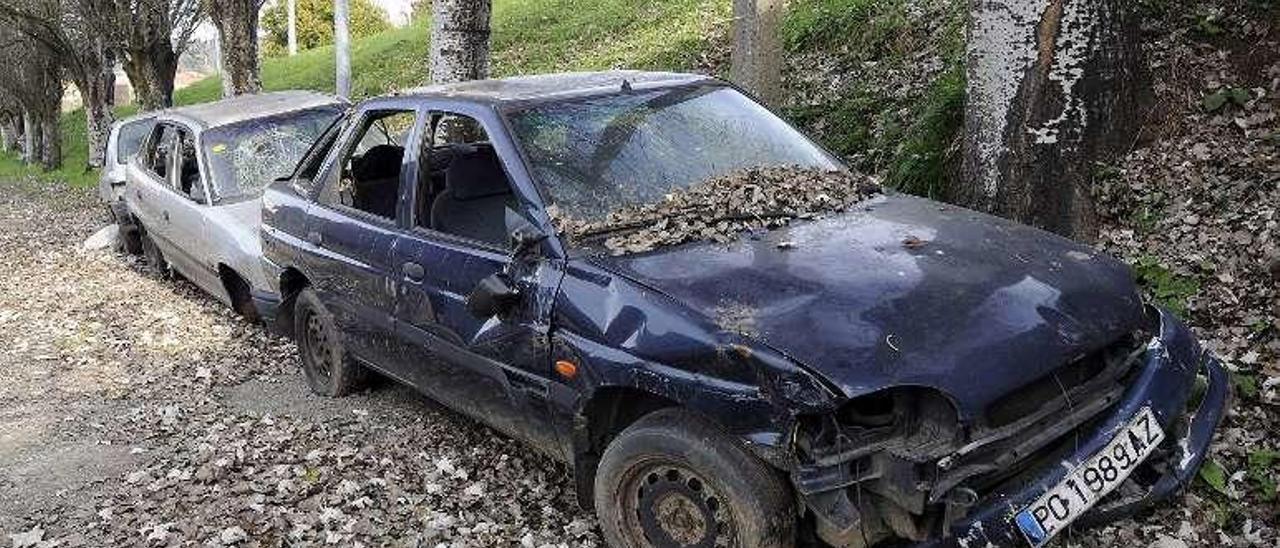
(219, 148)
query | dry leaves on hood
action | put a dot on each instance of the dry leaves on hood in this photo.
(721, 208)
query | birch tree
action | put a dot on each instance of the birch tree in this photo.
(460, 40)
(237, 25)
(756, 60)
(1054, 87)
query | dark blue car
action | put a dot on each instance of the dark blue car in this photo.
(891, 370)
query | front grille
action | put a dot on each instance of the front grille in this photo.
(1049, 390)
(1040, 420)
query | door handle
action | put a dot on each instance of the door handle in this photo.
(414, 271)
(315, 238)
(138, 193)
(166, 216)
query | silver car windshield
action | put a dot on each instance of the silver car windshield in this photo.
(245, 156)
(596, 155)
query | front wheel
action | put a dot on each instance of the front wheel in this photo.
(329, 371)
(151, 253)
(674, 479)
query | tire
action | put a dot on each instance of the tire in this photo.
(241, 296)
(151, 254)
(130, 239)
(328, 369)
(674, 479)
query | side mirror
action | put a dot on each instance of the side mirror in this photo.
(493, 296)
(524, 236)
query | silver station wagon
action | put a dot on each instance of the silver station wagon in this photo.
(193, 190)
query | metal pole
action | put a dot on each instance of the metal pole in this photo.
(342, 48)
(293, 27)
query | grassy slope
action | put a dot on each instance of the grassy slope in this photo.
(530, 36)
(904, 137)
(890, 112)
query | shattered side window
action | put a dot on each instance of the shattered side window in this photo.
(130, 138)
(597, 155)
(246, 156)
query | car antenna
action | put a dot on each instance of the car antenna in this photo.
(626, 85)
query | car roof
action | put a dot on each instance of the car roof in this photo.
(547, 86)
(245, 107)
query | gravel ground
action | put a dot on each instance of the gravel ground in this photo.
(135, 411)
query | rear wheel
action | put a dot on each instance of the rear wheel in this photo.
(674, 479)
(329, 371)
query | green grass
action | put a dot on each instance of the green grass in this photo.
(876, 38)
(529, 36)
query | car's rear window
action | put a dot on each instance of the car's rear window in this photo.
(246, 156)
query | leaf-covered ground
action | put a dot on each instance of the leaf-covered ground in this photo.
(138, 412)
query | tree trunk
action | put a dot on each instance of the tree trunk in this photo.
(151, 72)
(1054, 87)
(460, 40)
(756, 61)
(31, 141)
(51, 139)
(237, 24)
(9, 133)
(97, 90)
(342, 49)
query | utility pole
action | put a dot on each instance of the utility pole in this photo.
(342, 48)
(293, 27)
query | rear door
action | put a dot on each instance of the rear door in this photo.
(352, 228)
(495, 369)
(149, 175)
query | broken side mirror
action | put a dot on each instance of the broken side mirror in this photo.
(493, 296)
(524, 236)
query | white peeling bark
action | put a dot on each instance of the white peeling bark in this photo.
(1053, 87)
(460, 40)
(756, 60)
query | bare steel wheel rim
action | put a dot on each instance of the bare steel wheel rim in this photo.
(319, 350)
(664, 503)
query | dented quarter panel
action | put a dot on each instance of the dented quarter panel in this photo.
(847, 298)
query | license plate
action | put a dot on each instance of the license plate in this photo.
(1092, 480)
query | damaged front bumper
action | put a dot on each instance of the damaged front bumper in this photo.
(1185, 387)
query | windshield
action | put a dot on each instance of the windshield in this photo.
(130, 138)
(246, 156)
(598, 155)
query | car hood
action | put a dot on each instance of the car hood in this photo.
(906, 291)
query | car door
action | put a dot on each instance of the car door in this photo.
(183, 210)
(495, 369)
(352, 228)
(148, 181)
